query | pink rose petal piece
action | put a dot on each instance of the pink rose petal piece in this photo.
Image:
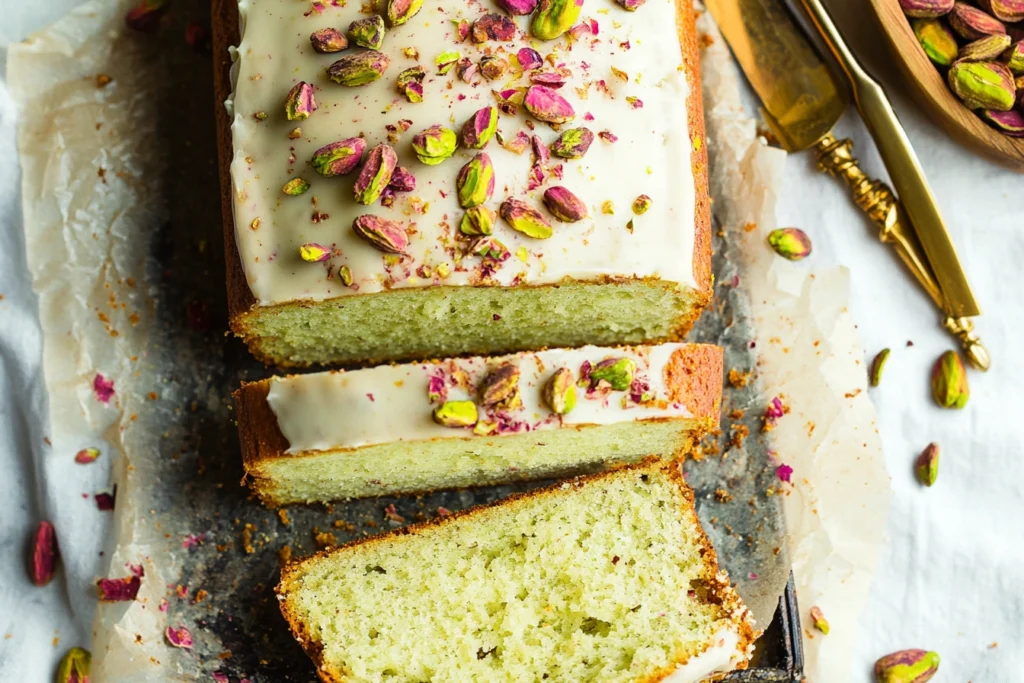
(220, 677)
(118, 590)
(44, 554)
(784, 472)
(104, 501)
(103, 388)
(179, 637)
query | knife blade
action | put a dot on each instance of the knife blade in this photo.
(799, 98)
(801, 102)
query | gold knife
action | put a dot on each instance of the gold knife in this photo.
(801, 104)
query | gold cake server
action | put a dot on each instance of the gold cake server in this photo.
(801, 104)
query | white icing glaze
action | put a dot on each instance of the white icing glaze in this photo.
(651, 156)
(723, 655)
(388, 403)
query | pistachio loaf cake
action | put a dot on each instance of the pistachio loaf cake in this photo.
(411, 180)
(606, 578)
(473, 421)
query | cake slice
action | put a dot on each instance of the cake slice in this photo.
(347, 236)
(605, 578)
(473, 421)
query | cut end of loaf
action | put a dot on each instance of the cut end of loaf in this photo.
(409, 324)
(604, 578)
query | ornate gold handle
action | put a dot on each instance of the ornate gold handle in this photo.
(874, 197)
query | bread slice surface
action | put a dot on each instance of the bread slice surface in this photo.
(606, 578)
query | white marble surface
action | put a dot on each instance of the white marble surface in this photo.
(950, 577)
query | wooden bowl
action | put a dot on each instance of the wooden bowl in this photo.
(929, 88)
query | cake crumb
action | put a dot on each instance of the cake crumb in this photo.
(247, 539)
(324, 539)
(282, 514)
(342, 524)
(738, 379)
(723, 496)
(284, 555)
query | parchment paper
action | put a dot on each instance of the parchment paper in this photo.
(123, 231)
(809, 354)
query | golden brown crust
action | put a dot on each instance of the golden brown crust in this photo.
(719, 591)
(242, 304)
(693, 376)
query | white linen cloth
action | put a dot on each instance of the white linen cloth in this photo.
(950, 577)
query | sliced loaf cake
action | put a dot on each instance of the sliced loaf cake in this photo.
(459, 182)
(601, 579)
(473, 421)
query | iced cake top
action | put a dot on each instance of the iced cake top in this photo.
(455, 143)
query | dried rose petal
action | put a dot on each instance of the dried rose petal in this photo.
(87, 455)
(179, 637)
(104, 501)
(44, 554)
(784, 472)
(196, 36)
(118, 590)
(103, 388)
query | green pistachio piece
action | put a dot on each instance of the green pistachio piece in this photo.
(475, 182)
(560, 392)
(456, 414)
(523, 218)
(618, 372)
(368, 32)
(478, 220)
(949, 381)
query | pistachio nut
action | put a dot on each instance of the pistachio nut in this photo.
(410, 83)
(345, 275)
(541, 152)
(456, 414)
(517, 7)
(926, 9)
(475, 182)
(44, 554)
(75, 666)
(937, 40)
(492, 67)
(907, 666)
(338, 158)
(434, 145)
(461, 29)
(402, 180)
(146, 16)
(559, 392)
(500, 388)
(641, 204)
(618, 372)
(564, 205)
(401, 11)
(985, 49)
(819, 621)
(466, 70)
(359, 68)
(547, 105)
(630, 5)
(87, 456)
(1010, 11)
(516, 145)
(555, 17)
(983, 85)
(447, 60)
(1010, 123)
(495, 27)
(295, 187)
(376, 174)
(1014, 57)
(299, 103)
(478, 220)
(552, 78)
(926, 467)
(382, 234)
(971, 23)
(483, 428)
(490, 249)
(529, 58)
(877, 365)
(790, 243)
(480, 128)
(368, 32)
(523, 218)
(572, 143)
(311, 252)
(949, 381)
(328, 40)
